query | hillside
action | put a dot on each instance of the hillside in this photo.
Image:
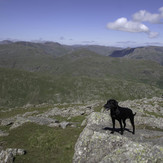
(80, 62)
(32, 73)
(19, 88)
(153, 53)
(102, 50)
(86, 63)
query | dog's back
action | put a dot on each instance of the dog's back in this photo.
(125, 112)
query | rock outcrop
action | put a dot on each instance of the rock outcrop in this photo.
(47, 117)
(96, 144)
(8, 155)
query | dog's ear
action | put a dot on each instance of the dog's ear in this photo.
(115, 103)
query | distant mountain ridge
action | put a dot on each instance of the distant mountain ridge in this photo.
(54, 49)
(154, 53)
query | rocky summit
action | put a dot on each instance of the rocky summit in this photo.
(90, 126)
(97, 145)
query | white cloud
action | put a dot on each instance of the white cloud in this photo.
(135, 25)
(145, 16)
(122, 24)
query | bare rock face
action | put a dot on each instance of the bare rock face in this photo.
(96, 144)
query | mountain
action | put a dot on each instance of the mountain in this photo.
(54, 49)
(51, 48)
(90, 64)
(154, 53)
(81, 63)
(51, 73)
(48, 48)
(102, 50)
(6, 42)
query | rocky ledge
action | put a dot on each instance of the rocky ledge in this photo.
(97, 145)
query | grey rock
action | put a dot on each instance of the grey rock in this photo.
(54, 125)
(149, 121)
(8, 121)
(30, 113)
(73, 125)
(142, 106)
(64, 124)
(7, 156)
(95, 144)
(42, 120)
(69, 111)
(19, 122)
(84, 123)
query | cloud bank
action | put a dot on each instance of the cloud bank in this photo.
(136, 24)
(145, 16)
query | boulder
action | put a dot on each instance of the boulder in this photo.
(96, 144)
(64, 124)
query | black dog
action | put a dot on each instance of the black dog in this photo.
(120, 114)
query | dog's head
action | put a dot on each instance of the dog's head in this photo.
(111, 104)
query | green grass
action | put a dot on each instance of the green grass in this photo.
(16, 111)
(78, 119)
(148, 127)
(81, 76)
(154, 114)
(19, 88)
(43, 144)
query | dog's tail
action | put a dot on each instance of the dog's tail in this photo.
(134, 114)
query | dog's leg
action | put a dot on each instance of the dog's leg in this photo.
(113, 121)
(120, 122)
(133, 125)
(124, 123)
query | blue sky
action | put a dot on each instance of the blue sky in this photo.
(124, 23)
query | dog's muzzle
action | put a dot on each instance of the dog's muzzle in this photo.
(106, 107)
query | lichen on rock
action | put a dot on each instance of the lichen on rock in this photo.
(95, 144)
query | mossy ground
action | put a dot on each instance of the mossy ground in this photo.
(42, 143)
